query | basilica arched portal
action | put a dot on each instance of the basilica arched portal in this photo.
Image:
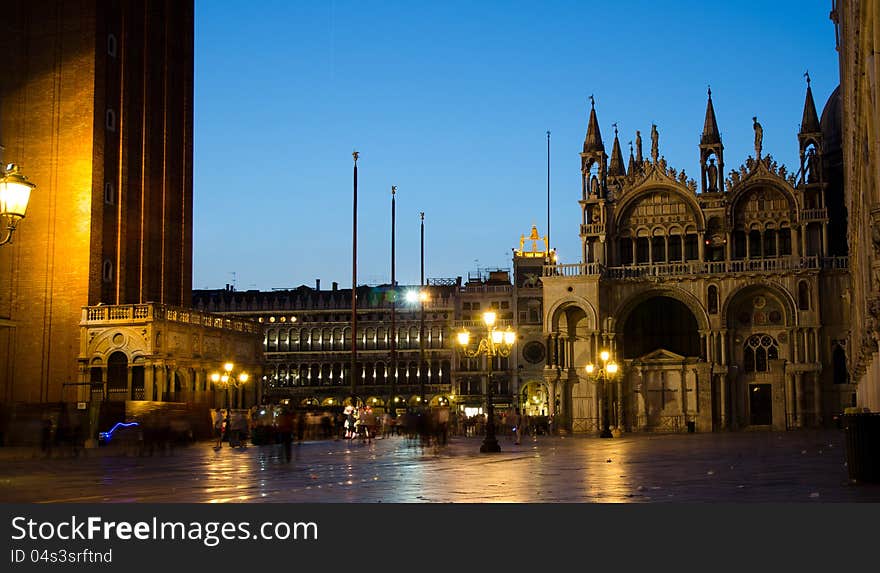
(660, 346)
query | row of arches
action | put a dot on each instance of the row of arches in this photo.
(369, 373)
(572, 312)
(328, 339)
(675, 209)
(665, 225)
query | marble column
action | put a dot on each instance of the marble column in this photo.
(149, 381)
(789, 400)
(799, 400)
(161, 382)
(683, 389)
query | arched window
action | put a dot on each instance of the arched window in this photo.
(107, 271)
(739, 244)
(769, 243)
(117, 376)
(642, 252)
(754, 244)
(626, 252)
(712, 302)
(803, 295)
(112, 45)
(784, 241)
(109, 193)
(758, 350)
(658, 250)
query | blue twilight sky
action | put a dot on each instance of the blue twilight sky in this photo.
(451, 101)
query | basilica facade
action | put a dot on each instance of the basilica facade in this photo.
(721, 300)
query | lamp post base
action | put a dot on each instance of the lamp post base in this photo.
(490, 445)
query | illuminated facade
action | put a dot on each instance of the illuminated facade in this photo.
(96, 107)
(715, 296)
(307, 340)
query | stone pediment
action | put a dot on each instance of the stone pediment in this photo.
(661, 355)
(765, 168)
(652, 174)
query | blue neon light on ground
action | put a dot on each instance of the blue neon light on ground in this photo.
(108, 435)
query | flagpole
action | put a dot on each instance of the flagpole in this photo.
(393, 334)
(354, 284)
(548, 189)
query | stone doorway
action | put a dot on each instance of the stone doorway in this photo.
(760, 404)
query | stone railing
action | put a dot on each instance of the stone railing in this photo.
(152, 312)
(814, 214)
(770, 265)
(573, 270)
(487, 288)
(478, 326)
(593, 229)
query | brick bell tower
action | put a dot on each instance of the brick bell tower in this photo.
(96, 107)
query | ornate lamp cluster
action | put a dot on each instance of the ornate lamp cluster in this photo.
(228, 378)
(495, 343)
(15, 191)
(602, 375)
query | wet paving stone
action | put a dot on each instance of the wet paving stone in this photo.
(805, 466)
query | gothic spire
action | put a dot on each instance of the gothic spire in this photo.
(710, 126)
(810, 121)
(616, 169)
(593, 141)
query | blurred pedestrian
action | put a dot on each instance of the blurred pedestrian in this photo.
(349, 423)
(223, 435)
(47, 437)
(284, 427)
(443, 425)
(515, 422)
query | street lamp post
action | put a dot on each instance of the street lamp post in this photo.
(496, 343)
(15, 191)
(602, 375)
(227, 378)
(421, 296)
